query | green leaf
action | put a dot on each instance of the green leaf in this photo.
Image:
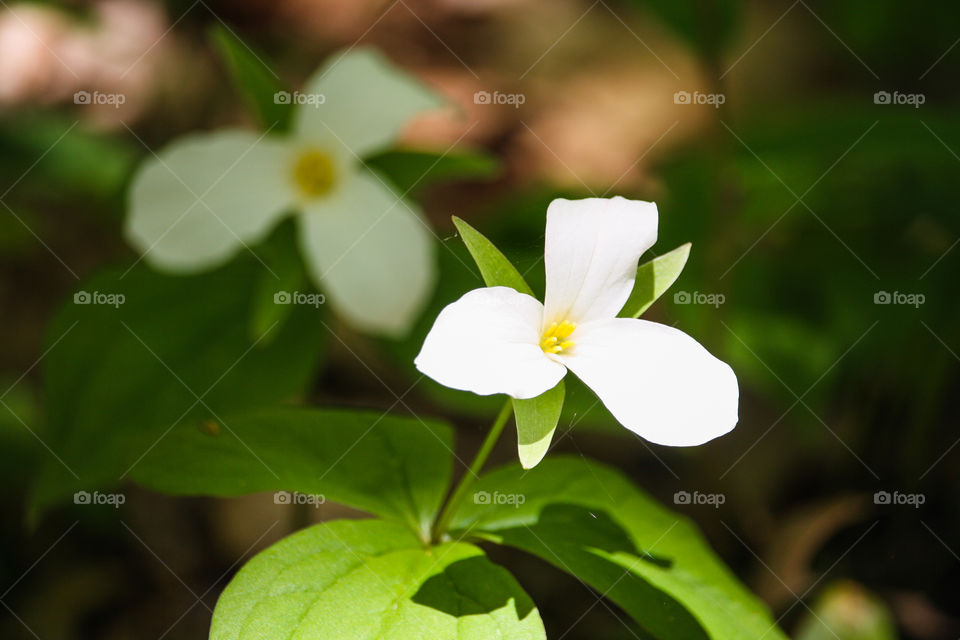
(277, 286)
(176, 351)
(257, 82)
(653, 279)
(395, 467)
(496, 270)
(89, 169)
(410, 170)
(21, 453)
(591, 521)
(537, 419)
(373, 580)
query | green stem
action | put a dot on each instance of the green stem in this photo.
(466, 482)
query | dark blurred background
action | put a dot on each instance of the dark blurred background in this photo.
(809, 150)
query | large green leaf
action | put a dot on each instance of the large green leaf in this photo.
(496, 269)
(372, 580)
(537, 419)
(653, 279)
(257, 82)
(410, 170)
(592, 522)
(177, 351)
(392, 466)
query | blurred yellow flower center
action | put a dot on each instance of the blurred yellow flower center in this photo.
(554, 339)
(314, 172)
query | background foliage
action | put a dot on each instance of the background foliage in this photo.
(803, 199)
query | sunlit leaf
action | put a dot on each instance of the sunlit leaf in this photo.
(496, 270)
(653, 279)
(374, 580)
(592, 522)
(537, 419)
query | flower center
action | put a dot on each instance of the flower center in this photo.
(314, 172)
(554, 339)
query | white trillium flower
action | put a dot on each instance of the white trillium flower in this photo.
(205, 197)
(656, 381)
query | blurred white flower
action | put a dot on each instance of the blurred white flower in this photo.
(657, 381)
(206, 196)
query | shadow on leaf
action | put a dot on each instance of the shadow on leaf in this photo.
(473, 586)
(582, 541)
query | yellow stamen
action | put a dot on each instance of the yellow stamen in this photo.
(314, 172)
(554, 339)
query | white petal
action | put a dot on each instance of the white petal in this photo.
(656, 381)
(370, 253)
(592, 250)
(366, 101)
(205, 196)
(488, 342)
